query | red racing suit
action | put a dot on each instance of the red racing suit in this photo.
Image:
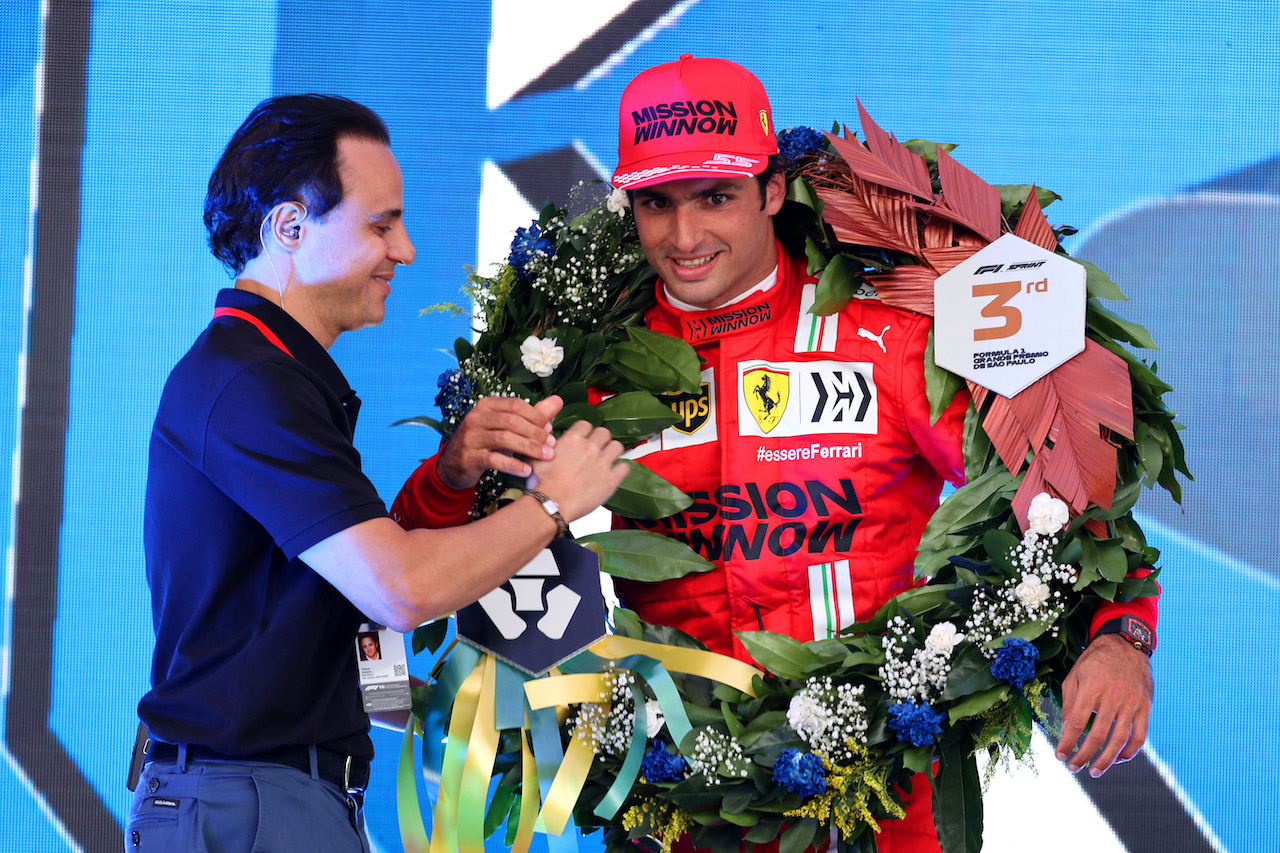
(811, 461)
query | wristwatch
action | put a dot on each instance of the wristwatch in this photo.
(553, 510)
(1133, 630)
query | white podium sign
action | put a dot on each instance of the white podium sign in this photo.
(1008, 315)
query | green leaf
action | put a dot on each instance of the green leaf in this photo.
(966, 506)
(1106, 557)
(676, 353)
(921, 599)
(799, 190)
(576, 412)
(940, 384)
(814, 254)
(1098, 283)
(635, 415)
(641, 555)
(626, 622)
(799, 836)
(957, 805)
(785, 657)
(1103, 321)
(917, 759)
(643, 494)
(1013, 198)
(763, 832)
(429, 636)
(423, 420)
(836, 285)
(499, 808)
(970, 673)
(975, 703)
(928, 150)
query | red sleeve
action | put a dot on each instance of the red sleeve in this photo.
(425, 501)
(1147, 609)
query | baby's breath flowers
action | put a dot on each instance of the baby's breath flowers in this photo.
(830, 717)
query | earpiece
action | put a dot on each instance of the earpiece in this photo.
(293, 231)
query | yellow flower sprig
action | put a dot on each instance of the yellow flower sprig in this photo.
(661, 820)
(850, 787)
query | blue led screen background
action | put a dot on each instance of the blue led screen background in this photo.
(1156, 122)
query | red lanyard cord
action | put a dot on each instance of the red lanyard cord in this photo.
(262, 327)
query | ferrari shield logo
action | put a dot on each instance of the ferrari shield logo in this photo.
(692, 409)
(765, 391)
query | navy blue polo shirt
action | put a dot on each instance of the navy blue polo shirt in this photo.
(251, 463)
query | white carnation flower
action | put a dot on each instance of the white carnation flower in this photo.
(1047, 515)
(541, 355)
(654, 721)
(618, 202)
(806, 714)
(1032, 592)
(943, 639)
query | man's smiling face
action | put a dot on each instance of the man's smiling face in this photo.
(709, 238)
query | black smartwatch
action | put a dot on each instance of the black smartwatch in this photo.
(1134, 631)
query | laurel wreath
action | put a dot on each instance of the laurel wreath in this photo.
(892, 216)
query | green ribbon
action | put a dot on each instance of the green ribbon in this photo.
(630, 769)
(509, 701)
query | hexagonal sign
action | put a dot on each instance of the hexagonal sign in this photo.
(1008, 314)
(545, 614)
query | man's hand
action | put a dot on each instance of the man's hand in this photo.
(499, 433)
(586, 471)
(1112, 683)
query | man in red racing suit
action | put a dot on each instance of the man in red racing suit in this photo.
(809, 452)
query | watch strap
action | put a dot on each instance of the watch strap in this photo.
(1132, 629)
(553, 510)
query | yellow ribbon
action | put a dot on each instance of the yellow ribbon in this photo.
(444, 835)
(528, 796)
(717, 667)
(482, 748)
(567, 689)
(562, 797)
(413, 835)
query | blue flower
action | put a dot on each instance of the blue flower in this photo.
(917, 724)
(1016, 662)
(659, 765)
(527, 247)
(454, 398)
(800, 772)
(795, 142)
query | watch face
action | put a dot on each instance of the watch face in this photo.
(1136, 630)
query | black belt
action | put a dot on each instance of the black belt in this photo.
(346, 771)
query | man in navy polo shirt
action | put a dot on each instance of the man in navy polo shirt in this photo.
(266, 547)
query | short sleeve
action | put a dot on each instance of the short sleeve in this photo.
(281, 449)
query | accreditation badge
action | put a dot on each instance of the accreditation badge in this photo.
(383, 667)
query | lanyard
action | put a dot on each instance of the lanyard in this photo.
(262, 327)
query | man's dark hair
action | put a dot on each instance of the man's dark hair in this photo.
(775, 165)
(286, 150)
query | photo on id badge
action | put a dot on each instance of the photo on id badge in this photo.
(383, 667)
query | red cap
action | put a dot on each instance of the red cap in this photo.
(693, 118)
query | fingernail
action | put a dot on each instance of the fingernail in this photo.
(547, 452)
(1095, 772)
(1074, 768)
(551, 439)
(1062, 756)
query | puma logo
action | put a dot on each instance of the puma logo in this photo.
(872, 336)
